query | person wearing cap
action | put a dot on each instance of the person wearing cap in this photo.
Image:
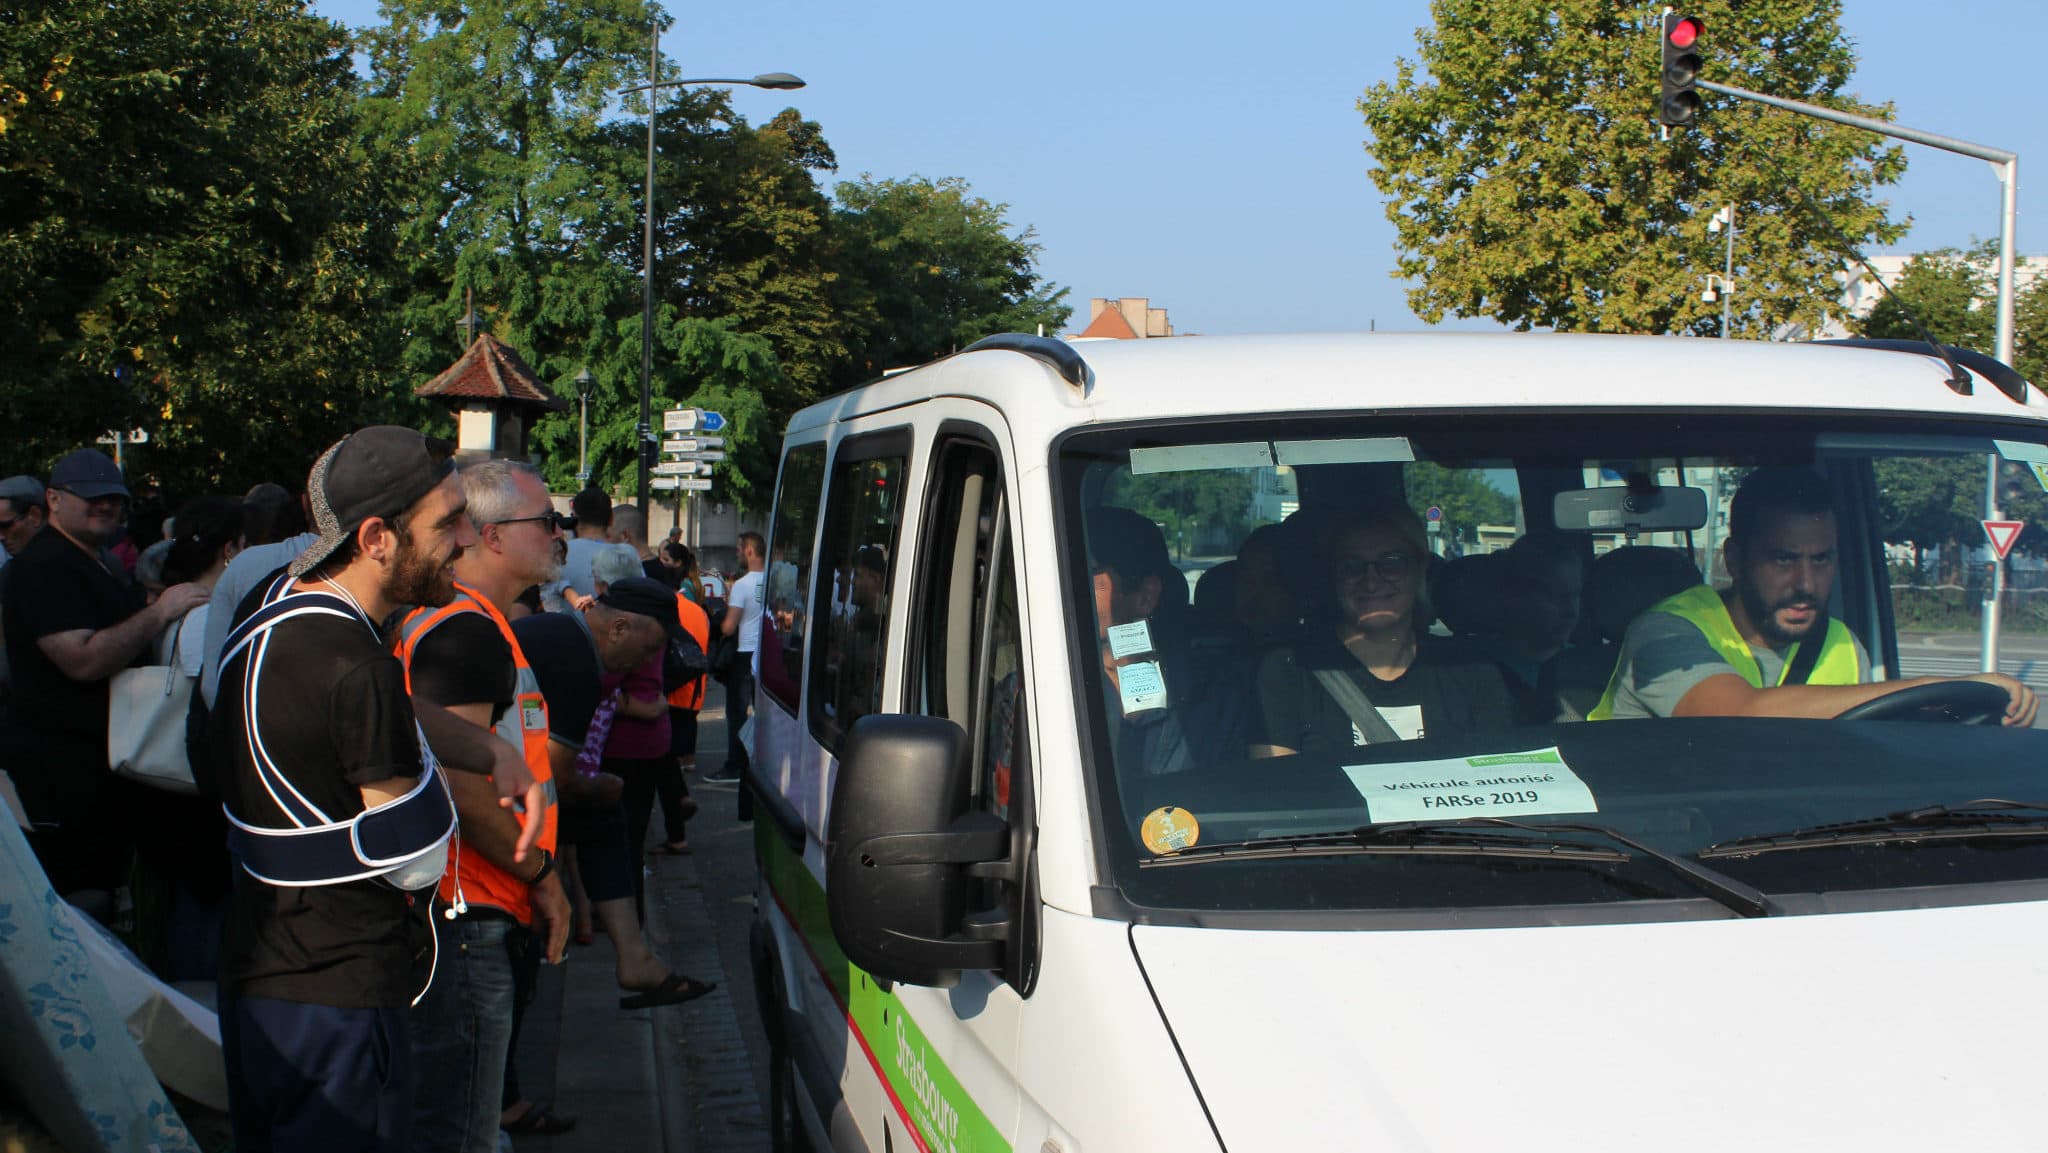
(623, 628)
(465, 658)
(22, 515)
(23, 511)
(326, 943)
(71, 623)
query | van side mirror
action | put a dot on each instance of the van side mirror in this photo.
(905, 853)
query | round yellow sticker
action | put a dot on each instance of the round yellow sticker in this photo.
(1169, 830)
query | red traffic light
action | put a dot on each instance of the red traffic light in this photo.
(1685, 31)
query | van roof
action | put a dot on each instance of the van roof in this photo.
(1198, 376)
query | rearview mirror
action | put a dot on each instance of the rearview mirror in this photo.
(905, 852)
(1630, 510)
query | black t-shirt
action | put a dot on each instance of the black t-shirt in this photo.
(1455, 686)
(465, 661)
(563, 655)
(61, 755)
(656, 570)
(334, 716)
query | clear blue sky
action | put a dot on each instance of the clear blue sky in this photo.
(1209, 155)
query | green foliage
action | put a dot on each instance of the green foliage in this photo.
(213, 228)
(1949, 292)
(1199, 512)
(1465, 496)
(1526, 181)
(934, 268)
(190, 239)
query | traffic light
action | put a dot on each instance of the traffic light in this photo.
(1680, 103)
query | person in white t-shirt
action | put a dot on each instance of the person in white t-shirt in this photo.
(743, 620)
(593, 512)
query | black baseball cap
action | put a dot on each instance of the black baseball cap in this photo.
(378, 471)
(647, 597)
(88, 473)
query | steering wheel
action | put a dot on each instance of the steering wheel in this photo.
(1965, 702)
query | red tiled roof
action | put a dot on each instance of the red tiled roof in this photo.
(1110, 322)
(492, 370)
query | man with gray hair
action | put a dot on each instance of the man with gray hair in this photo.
(465, 658)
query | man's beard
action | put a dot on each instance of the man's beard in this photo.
(416, 579)
(1765, 616)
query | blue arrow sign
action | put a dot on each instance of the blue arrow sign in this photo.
(711, 421)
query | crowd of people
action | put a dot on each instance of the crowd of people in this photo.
(430, 722)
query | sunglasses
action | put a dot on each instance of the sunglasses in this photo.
(1391, 566)
(552, 520)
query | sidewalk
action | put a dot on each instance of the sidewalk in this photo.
(629, 1075)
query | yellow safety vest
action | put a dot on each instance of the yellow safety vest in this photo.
(1701, 607)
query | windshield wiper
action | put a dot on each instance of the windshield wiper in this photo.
(1985, 817)
(1463, 837)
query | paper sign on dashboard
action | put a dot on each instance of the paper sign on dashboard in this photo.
(1530, 784)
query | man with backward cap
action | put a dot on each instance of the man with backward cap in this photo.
(339, 820)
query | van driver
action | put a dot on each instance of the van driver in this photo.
(1766, 646)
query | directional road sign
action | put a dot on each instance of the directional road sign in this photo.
(707, 455)
(666, 483)
(694, 483)
(676, 468)
(2003, 533)
(710, 421)
(683, 419)
(681, 444)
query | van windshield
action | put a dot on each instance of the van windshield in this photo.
(1708, 633)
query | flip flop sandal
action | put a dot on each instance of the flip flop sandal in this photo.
(675, 849)
(673, 991)
(540, 1121)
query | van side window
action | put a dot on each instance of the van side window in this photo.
(968, 660)
(785, 623)
(857, 562)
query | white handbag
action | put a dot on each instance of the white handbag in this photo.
(146, 709)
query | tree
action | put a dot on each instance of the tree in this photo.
(190, 239)
(934, 268)
(1526, 181)
(1464, 495)
(1948, 292)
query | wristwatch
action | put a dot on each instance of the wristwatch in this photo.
(547, 865)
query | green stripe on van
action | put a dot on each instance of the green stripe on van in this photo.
(938, 1107)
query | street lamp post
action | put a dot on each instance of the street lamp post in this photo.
(1726, 219)
(771, 80)
(583, 381)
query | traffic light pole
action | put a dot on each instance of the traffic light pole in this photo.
(2008, 165)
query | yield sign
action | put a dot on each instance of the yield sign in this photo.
(2003, 533)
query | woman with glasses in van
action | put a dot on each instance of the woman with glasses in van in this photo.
(1365, 669)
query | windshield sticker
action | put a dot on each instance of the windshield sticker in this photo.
(1358, 450)
(1141, 687)
(1131, 640)
(1528, 784)
(1196, 457)
(1169, 830)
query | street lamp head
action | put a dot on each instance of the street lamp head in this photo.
(583, 382)
(776, 80)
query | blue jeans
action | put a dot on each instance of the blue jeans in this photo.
(461, 1035)
(316, 1078)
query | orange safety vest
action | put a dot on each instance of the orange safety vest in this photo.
(524, 725)
(691, 694)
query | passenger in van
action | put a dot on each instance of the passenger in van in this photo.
(1766, 646)
(1362, 672)
(1521, 605)
(1168, 710)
